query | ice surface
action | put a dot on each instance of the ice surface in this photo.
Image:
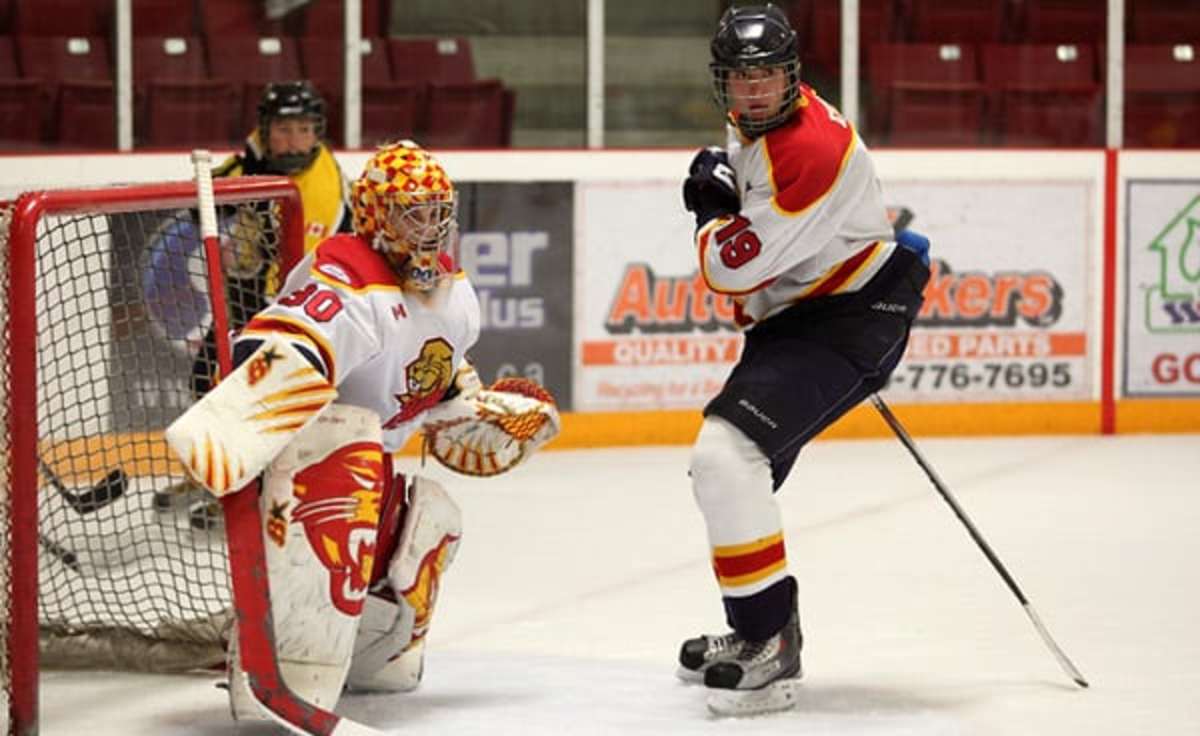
(580, 573)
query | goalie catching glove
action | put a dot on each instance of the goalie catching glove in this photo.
(486, 431)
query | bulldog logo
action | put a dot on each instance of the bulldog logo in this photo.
(427, 378)
(338, 504)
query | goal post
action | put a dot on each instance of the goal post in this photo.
(104, 325)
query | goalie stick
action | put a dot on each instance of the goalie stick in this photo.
(243, 531)
(942, 490)
(95, 498)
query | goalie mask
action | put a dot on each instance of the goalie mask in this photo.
(756, 68)
(405, 207)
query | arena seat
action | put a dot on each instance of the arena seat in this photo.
(1044, 94)
(78, 84)
(324, 19)
(468, 115)
(1064, 21)
(1162, 95)
(1164, 21)
(22, 103)
(62, 17)
(820, 36)
(185, 114)
(220, 19)
(164, 18)
(175, 101)
(250, 63)
(959, 21)
(390, 110)
(926, 94)
(441, 60)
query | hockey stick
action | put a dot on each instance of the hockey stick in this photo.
(60, 553)
(907, 441)
(95, 498)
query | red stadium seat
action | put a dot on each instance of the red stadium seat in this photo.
(390, 109)
(1162, 95)
(22, 113)
(1044, 94)
(926, 94)
(168, 57)
(6, 17)
(250, 63)
(467, 115)
(184, 114)
(820, 36)
(442, 60)
(56, 58)
(222, 18)
(164, 18)
(175, 102)
(78, 81)
(8, 59)
(62, 17)
(1164, 21)
(1065, 21)
(323, 19)
(959, 21)
(22, 103)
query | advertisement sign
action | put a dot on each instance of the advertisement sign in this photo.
(1006, 314)
(517, 245)
(1162, 288)
(650, 334)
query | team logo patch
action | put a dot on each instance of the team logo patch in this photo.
(338, 506)
(426, 378)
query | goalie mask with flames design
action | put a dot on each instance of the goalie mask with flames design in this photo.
(405, 206)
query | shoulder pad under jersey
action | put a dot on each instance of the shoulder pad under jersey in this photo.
(347, 260)
(806, 159)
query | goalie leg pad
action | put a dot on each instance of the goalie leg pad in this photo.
(389, 649)
(320, 509)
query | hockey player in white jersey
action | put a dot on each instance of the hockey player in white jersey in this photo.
(791, 224)
(365, 345)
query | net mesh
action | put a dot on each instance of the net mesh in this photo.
(133, 571)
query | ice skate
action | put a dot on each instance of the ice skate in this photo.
(762, 678)
(698, 654)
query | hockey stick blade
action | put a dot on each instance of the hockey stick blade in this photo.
(109, 489)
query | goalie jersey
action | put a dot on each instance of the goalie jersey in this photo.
(812, 221)
(385, 349)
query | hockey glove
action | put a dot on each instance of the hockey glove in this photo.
(711, 187)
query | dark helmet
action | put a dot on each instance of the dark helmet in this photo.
(290, 100)
(755, 37)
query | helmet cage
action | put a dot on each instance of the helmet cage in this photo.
(757, 90)
(414, 235)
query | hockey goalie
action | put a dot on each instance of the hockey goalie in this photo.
(364, 347)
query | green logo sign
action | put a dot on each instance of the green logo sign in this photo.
(1173, 304)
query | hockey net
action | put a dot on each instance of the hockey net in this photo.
(105, 337)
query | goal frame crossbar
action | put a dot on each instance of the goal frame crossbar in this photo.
(28, 210)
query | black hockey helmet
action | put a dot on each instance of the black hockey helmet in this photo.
(290, 100)
(755, 37)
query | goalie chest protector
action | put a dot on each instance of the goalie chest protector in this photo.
(387, 350)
